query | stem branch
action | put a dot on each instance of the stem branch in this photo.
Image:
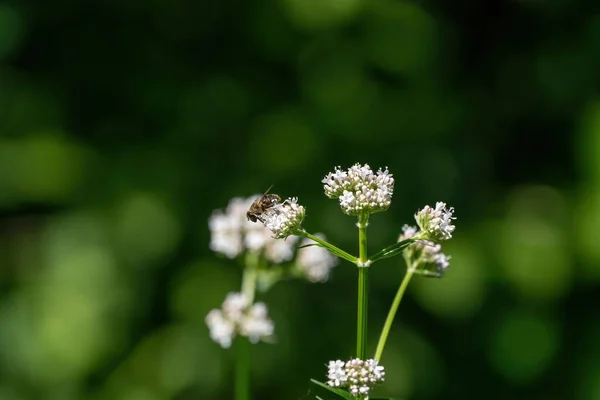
(363, 282)
(330, 247)
(242, 344)
(392, 313)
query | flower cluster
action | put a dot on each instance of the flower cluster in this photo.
(359, 190)
(282, 219)
(436, 223)
(232, 234)
(357, 375)
(424, 254)
(238, 316)
(315, 262)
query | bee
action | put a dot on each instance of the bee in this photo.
(262, 204)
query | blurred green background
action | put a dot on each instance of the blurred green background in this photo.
(123, 124)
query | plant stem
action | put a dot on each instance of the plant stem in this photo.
(363, 294)
(250, 275)
(242, 365)
(331, 248)
(392, 313)
(242, 369)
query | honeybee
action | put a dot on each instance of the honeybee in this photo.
(262, 204)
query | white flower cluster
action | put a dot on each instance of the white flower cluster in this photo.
(283, 218)
(357, 375)
(232, 234)
(436, 223)
(426, 253)
(315, 262)
(237, 316)
(359, 190)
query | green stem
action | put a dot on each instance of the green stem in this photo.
(250, 276)
(242, 365)
(331, 248)
(242, 369)
(363, 282)
(392, 313)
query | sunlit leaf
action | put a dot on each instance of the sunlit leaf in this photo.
(340, 392)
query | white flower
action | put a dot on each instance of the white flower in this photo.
(237, 316)
(255, 324)
(408, 232)
(225, 237)
(315, 262)
(336, 374)
(232, 234)
(221, 329)
(234, 306)
(357, 375)
(359, 190)
(282, 219)
(436, 223)
(278, 251)
(426, 254)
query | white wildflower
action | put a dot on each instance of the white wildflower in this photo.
(237, 316)
(336, 374)
(358, 376)
(436, 223)
(282, 219)
(315, 262)
(232, 234)
(225, 237)
(359, 190)
(425, 254)
(279, 251)
(255, 324)
(235, 305)
(221, 329)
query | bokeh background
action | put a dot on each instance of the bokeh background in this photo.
(124, 124)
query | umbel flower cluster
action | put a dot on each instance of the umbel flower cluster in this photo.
(238, 317)
(232, 235)
(424, 254)
(359, 190)
(356, 375)
(436, 223)
(282, 219)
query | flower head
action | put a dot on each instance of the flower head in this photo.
(232, 234)
(282, 219)
(255, 324)
(359, 190)
(425, 255)
(315, 262)
(237, 316)
(436, 223)
(357, 375)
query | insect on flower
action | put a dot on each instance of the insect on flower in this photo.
(262, 204)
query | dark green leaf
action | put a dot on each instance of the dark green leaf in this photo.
(392, 250)
(312, 244)
(340, 392)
